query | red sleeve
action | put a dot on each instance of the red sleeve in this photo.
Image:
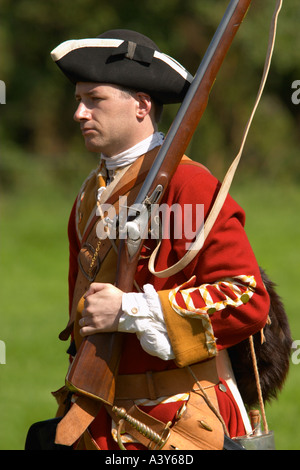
(226, 253)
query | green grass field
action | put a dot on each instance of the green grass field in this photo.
(34, 301)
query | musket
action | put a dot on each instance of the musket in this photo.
(94, 370)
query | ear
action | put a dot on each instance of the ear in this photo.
(144, 104)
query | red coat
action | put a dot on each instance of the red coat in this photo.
(226, 253)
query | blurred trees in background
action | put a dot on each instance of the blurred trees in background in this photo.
(37, 117)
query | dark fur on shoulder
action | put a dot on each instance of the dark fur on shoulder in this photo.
(273, 356)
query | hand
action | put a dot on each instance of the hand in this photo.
(102, 309)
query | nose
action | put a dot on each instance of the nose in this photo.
(81, 113)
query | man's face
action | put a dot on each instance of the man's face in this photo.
(107, 117)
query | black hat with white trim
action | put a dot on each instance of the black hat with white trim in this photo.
(125, 58)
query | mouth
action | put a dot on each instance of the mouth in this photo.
(87, 130)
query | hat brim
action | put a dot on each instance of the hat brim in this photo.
(123, 63)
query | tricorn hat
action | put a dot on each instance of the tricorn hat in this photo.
(125, 58)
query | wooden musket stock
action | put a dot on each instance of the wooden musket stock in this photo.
(95, 366)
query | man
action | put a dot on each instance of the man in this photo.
(174, 327)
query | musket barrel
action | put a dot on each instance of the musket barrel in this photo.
(195, 101)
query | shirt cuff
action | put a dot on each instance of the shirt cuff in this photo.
(142, 314)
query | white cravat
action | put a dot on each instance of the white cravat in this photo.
(127, 157)
(130, 155)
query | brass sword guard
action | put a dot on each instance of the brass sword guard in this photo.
(155, 438)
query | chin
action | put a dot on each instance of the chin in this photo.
(92, 147)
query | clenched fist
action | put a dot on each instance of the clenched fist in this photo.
(102, 309)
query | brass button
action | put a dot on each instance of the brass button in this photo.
(245, 298)
(134, 310)
(211, 310)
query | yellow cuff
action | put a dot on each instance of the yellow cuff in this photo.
(192, 339)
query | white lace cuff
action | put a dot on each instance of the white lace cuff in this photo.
(142, 314)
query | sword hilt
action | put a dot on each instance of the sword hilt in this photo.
(158, 440)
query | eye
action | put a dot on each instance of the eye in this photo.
(96, 98)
